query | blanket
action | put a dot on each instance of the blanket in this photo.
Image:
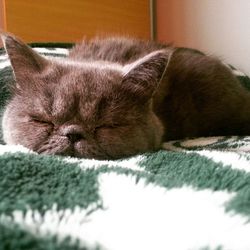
(192, 194)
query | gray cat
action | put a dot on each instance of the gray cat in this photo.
(117, 97)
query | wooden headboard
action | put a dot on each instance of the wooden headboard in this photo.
(67, 21)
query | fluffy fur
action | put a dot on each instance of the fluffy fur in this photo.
(117, 97)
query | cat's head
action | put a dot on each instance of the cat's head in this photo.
(85, 109)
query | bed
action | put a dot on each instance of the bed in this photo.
(192, 194)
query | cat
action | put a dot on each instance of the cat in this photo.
(117, 97)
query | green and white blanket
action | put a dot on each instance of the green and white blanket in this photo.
(193, 195)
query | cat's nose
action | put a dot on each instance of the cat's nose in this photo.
(73, 133)
(74, 137)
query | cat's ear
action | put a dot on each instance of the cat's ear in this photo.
(142, 77)
(24, 60)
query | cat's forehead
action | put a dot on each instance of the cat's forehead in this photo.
(88, 74)
(89, 65)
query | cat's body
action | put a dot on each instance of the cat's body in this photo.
(198, 95)
(117, 97)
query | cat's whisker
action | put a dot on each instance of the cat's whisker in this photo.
(54, 146)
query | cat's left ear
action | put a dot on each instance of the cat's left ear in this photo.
(24, 60)
(142, 77)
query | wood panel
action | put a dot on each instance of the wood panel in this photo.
(2, 15)
(64, 20)
(2, 18)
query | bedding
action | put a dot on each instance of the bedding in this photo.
(192, 194)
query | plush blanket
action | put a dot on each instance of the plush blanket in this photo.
(193, 194)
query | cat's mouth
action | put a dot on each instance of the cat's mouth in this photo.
(60, 145)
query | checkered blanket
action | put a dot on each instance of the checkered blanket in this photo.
(193, 194)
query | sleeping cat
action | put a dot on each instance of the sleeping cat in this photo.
(117, 97)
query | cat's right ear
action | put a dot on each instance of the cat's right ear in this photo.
(24, 60)
(143, 76)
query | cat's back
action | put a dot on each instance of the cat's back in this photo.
(114, 49)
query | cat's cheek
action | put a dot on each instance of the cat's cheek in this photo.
(31, 136)
(121, 142)
(23, 133)
(7, 128)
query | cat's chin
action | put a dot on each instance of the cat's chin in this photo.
(77, 154)
(83, 150)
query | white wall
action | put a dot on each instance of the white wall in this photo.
(219, 27)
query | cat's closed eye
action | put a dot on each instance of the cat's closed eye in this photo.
(109, 126)
(39, 120)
